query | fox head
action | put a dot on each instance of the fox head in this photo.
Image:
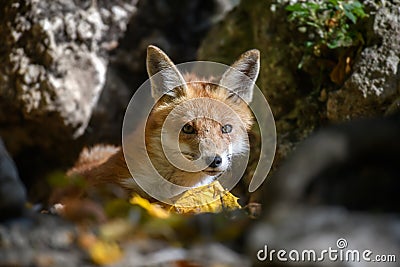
(197, 126)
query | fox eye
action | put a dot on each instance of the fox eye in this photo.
(227, 128)
(188, 129)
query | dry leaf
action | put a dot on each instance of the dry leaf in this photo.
(153, 209)
(103, 253)
(210, 198)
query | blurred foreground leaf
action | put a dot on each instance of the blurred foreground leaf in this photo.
(153, 209)
(103, 253)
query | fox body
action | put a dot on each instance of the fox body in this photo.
(207, 126)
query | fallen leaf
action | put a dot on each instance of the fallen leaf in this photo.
(152, 208)
(103, 253)
(210, 198)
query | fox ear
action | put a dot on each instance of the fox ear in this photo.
(242, 75)
(169, 76)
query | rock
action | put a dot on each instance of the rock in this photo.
(206, 254)
(12, 191)
(374, 84)
(105, 125)
(54, 66)
(42, 240)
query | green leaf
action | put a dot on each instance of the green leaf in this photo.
(309, 44)
(358, 10)
(333, 44)
(313, 24)
(313, 6)
(295, 7)
(350, 15)
(314, 17)
(334, 2)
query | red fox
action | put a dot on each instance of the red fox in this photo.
(209, 134)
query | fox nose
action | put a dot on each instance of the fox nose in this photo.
(214, 162)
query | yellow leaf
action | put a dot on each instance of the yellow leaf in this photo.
(153, 209)
(210, 198)
(116, 229)
(104, 253)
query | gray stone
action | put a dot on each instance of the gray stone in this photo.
(41, 240)
(55, 58)
(12, 191)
